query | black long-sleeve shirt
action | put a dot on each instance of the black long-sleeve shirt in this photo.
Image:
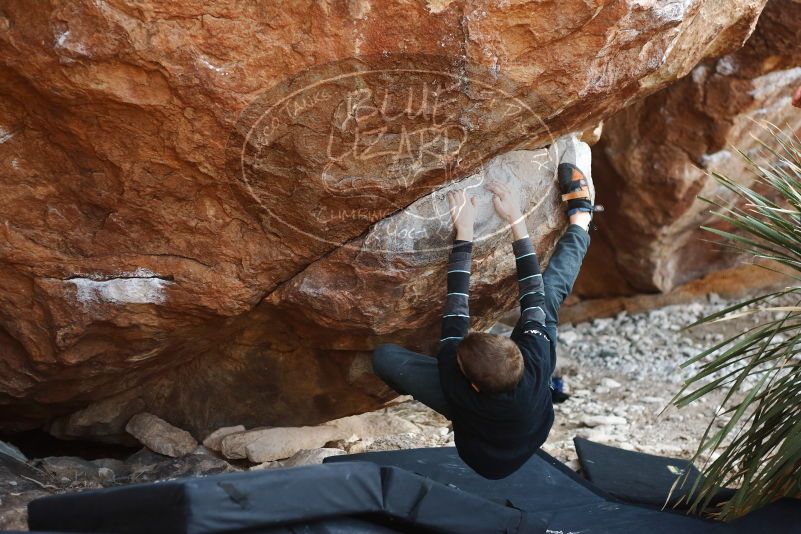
(496, 433)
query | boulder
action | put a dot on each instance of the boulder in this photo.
(280, 443)
(164, 251)
(304, 457)
(159, 436)
(234, 446)
(214, 440)
(409, 440)
(655, 158)
(373, 425)
(310, 457)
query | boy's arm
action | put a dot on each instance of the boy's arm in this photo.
(529, 278)
(456, 318)
(531, 293)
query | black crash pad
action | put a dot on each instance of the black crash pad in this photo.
(640, 478)
(553, 493)
(419, 490)
(321, 499)
(544, 488)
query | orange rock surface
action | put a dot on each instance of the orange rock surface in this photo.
(144, 266)
(656, 156)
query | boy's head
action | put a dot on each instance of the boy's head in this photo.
(493, 364)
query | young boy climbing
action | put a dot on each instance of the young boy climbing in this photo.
(496, 389)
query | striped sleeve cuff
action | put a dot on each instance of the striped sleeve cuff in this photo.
(529, 282)
(456, 317)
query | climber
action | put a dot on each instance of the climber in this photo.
(495, 389)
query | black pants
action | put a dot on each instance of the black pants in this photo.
(415, 374)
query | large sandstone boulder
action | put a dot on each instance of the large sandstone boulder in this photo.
(655, 157)
(192, 225)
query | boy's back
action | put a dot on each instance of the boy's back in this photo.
(496, 433)
(500, 415)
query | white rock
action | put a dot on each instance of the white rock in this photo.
(343, 444)
(214, 440)
(159, 436)
(652, 400)
(601, 420)
(602, 323)
(310, 457)
(568, 337)
(265, 465)
(105, 475)
(233, 445)
(359, 447)
(610, 383)
(117, 467)
(372, 425)
(279, 443)
(599, 435)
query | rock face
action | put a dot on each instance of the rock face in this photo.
(186, 234)
(280, 443)
(160, 436)
(653, 160)
(214, 440)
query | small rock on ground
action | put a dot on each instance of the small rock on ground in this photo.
(599, 420)
(372, 425)
(281, 443)
(214, 440)
(159, 436)
(304, 457)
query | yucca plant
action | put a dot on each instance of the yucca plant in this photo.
(753, 443)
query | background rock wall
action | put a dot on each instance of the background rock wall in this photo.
(654, 158)
(137, 273)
